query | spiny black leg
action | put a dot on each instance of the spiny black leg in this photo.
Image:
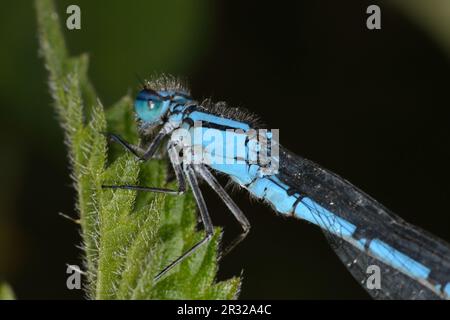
(136, 150)
(238, 214)
(177, 167)
(209, 229)
(235, 242)
(154, 144)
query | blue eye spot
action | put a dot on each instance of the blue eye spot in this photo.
(149, 107)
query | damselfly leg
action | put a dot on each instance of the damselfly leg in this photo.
(177, 167)
(237, 213)
(136, 150)
(139, 152)
(204, 214)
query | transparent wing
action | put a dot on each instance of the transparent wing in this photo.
(403, 250)
(393, 285)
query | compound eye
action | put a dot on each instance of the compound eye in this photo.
(149, 108)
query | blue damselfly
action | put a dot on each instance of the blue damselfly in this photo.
(413, 263)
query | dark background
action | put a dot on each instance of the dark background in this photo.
(373, 106)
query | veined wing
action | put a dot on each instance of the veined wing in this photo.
(413, 263)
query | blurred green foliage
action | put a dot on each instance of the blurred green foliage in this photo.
(431, 15)
(6, 293)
